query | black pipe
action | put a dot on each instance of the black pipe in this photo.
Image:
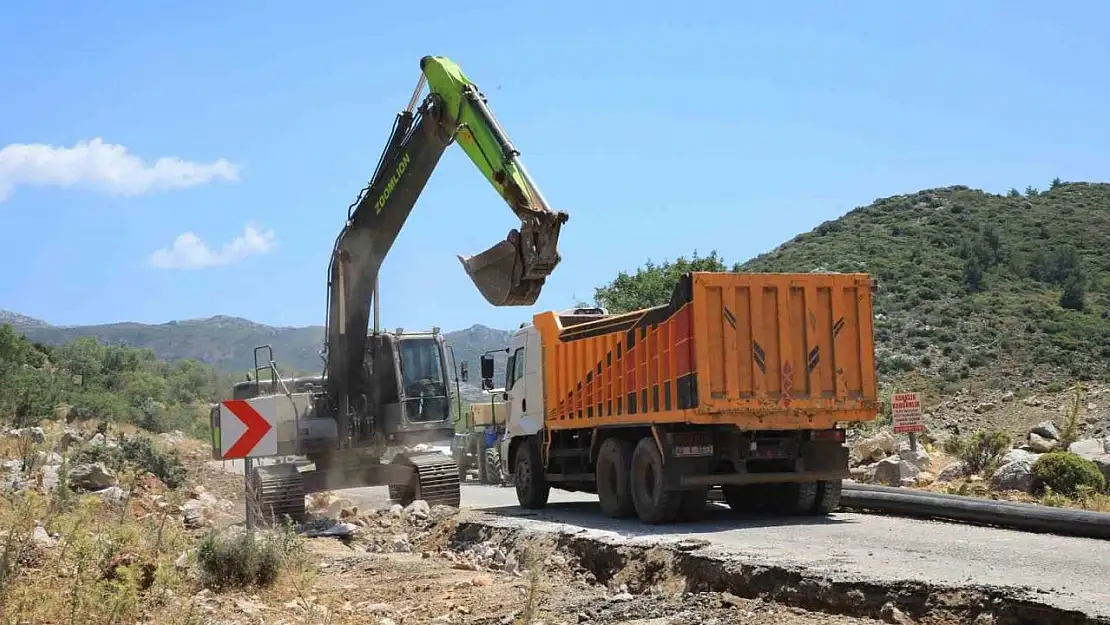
(1003, 514)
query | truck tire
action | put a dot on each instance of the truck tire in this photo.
(493, 466)
(793, 498)
(480, 464)
(614, 486)
(693, 504)
(532, 489)
(828, 496)
(738, 498)
(654, 505)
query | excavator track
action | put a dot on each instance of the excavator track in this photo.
(437, 480)
(278, 492)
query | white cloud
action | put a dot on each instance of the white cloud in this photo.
(189, 252)
(103, 166)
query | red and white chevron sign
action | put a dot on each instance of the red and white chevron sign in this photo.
(246, 431)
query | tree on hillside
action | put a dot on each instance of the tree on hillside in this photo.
(1075, 292)
(652, 284)
(108, 383)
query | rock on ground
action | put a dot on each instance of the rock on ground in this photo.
(1016, 475)
(953, 472)
(93, 476)
(874, 448)
(1046, 429)
(893, 471)
(35, 434)
(1041, 444)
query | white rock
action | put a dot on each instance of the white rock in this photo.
(1090, 447)
(1016, 455)
(418, 509)
(1016, 475)
(36, 434)
(1041, 444)
(42, 538)
(919, 458)
(892, 471)
(1047, 429)
(952, 472)
(875, 447)
(93, 476)
(112, 495)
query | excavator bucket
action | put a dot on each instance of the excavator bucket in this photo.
(512, 272)
(498, 271)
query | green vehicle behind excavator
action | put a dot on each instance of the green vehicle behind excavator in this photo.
(383, 393)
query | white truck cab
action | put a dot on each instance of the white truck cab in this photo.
(523, 389)
(524, 392)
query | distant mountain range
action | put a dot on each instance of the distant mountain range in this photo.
(228, 342)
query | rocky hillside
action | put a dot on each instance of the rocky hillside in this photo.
(228, 342)
(1006, 291)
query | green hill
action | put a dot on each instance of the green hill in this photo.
(228, 342)
(1010, 290)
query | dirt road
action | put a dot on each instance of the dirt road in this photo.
(849, 548)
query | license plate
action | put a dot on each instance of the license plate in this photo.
(772, 451)
(686, 451)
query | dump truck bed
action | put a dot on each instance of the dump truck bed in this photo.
(760, 351)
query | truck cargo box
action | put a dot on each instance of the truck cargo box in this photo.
(761, 351)
(489, 413)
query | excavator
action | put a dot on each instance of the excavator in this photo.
(389, 390)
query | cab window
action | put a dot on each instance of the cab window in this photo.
(515, 369)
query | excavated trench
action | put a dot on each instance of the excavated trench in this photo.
(679, 568)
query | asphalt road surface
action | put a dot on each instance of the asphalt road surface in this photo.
(1064, 571)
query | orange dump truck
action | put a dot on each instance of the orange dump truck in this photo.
(744, 381)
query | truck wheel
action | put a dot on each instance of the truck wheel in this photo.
(532, 489)
(480, 464)
(828, 496)
(692, 507)
(493, 466)
(794, 498)
(614, 488)
(653, 504)
(734, 497)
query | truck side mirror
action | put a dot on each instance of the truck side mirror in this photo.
(487, 367)
(465, 371)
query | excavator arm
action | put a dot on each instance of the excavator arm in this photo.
(511, 273)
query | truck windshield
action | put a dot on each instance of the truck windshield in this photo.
(422, 368)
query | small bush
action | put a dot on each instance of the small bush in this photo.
(1066, 473)
(982, 453)
(242, 559)
(140, 453)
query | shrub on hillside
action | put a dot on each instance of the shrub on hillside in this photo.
(240, 559)
(1066, 473)
(982, 453)
(138, 452)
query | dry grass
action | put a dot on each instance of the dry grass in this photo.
(98, 561)
(1084, 500)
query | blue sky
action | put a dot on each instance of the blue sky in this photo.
(660, 129)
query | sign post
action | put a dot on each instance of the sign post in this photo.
(905, 409)
(247, 432)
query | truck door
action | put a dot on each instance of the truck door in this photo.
(524, 385)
